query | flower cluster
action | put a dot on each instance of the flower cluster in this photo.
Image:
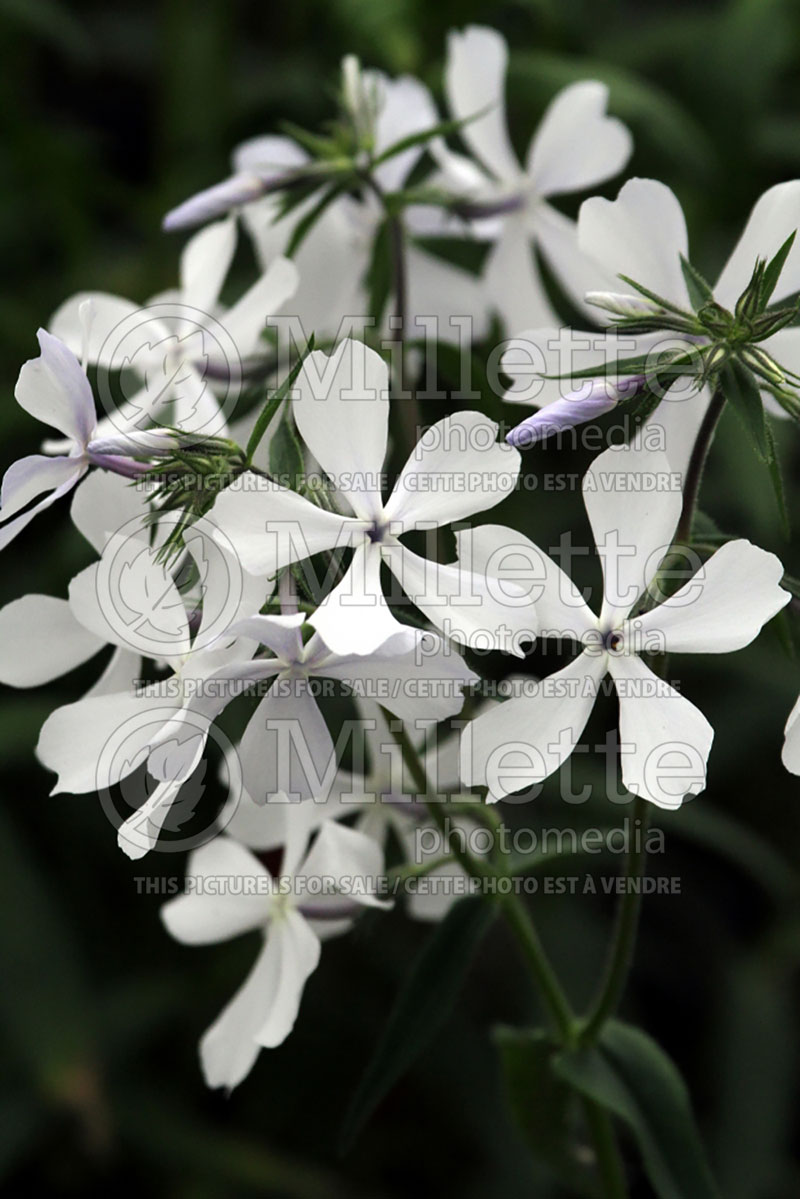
(272, 526)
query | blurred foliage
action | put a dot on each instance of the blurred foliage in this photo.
(112, 114)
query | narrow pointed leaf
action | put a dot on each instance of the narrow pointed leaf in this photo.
(700, 291)
(544, 1105)
(631, 1077)
(274, 402)
(772, 271)
(743, 394)
(421, 1008)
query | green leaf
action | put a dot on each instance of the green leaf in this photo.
(544, 1105)
(286, 460)
(700, 291)
(667, 305)
(421, 1008)
(742, 392)
(776, 478)
(631, 1077)
(772, 271)
(274, 402)
(378, 279)
(421, 137)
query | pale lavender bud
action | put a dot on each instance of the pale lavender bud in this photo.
(218, 200)
(593, 399)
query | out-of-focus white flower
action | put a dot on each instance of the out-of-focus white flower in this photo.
(182, 344)
(642, 234)
(576, 146)
(456, 470)
(230, 892)
(665, 740)
(335, 255)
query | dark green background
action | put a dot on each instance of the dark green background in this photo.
(112, 114)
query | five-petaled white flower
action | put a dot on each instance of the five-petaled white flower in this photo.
(665, 740)
(457, 469)
(576, 146)
(287, 747)
(181, 344)
(232, 892)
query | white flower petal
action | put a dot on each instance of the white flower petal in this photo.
(341, 407)
(40, 639)
(228, 1049)
(137, 835)
(526, 739)
(723, 607)
(676, 422)
(664, 740)
(465, 605)
(207, 914)
(557, 238)
(406, 107)
(129, 599)
(512, 279)
(790, 755)
(110, 316)
(423, 684)
(341, 855)
(577, 145)
(474, 81)
(286, 746)
(354, 618)
(246, 320)
(293, 952)
(28, 477)
(273, 988)
(105, 504)
(633, 501)
(457, 468)
(268, 152)
(775, 216)
(641, 234)
(444, 301)
(123, 670)
(281, 634)
(270, 526)
(54, 389)
(205, 262)
(517, 564)
(74, 737)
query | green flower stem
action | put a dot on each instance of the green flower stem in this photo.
(558, 1006)
(562, 1017)
(407, 405)
(621, 955)
(606, 1150)
(696, 467)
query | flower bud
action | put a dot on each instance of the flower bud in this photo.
(621, 304)
(218, 200)
(761, 362)
(593, 399)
